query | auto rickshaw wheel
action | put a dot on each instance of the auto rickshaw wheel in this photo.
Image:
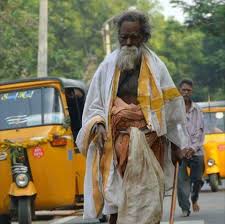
(5, 219)
(214, 182)
(24, 210)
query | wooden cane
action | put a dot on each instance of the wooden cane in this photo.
(174, 193)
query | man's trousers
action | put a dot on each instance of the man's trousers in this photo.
(190, 183)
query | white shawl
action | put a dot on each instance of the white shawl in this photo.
(97, 108)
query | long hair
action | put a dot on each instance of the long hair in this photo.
(136, 16)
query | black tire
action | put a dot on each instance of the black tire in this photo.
(5, 219)
(24, 210)
(214, 182)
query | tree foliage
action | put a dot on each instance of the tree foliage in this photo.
(208, 16)
(74, 35)
(18, 38)
(75, 46)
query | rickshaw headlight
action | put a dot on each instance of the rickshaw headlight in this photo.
(211, 162)
(22, 180)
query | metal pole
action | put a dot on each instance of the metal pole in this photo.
(107, 39)
(43, 40)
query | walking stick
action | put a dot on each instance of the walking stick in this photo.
(174, 193)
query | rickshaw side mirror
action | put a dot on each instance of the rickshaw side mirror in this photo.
(67, 122)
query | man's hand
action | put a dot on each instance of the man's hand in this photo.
(99, 131)
(189, 153)
(177, 153)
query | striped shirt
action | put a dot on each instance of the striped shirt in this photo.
(195, 128)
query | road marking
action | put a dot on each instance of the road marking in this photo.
(63, 220)
(186, 222)
(75, 220)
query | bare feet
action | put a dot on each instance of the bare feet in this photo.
(195, 207)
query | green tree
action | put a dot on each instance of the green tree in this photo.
(18, 38)
(181, 50)
(194, 49)
(209, 17)
(75, 38)
(74, 35)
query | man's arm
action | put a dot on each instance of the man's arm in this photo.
(93, 113)
(175, 114)
(198, 138)
(177, 154)
(100, 136)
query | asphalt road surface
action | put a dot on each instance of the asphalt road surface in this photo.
(212, 211)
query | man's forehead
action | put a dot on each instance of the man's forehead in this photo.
(186, 86)
(130, 27)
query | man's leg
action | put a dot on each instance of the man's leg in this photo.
(110, 211)
(197, 169)
(183, 188)
(113, 218)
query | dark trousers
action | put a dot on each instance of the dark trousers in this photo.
(190, 184)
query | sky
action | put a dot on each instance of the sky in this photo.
(168, 10)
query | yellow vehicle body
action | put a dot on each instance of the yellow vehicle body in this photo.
(55, 167)
(214, 143)
(215, 148)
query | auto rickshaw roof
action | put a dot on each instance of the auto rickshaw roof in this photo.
(66, 83)
(211, 104)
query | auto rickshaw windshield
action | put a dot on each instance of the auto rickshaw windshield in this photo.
(214, 122)
(30, 107)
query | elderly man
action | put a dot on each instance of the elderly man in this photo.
(133, 111)
(194, 153)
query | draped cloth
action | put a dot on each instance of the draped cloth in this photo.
(125, 116)
(164, 113)
(138, 156)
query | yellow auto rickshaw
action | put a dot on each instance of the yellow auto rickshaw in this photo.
(40, 166)
(214, 143)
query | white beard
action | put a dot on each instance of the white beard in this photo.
(128, 57)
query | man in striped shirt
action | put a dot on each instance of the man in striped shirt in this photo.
(194, 157)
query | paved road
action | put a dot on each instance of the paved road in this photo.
(212, 207)
(212, 211)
